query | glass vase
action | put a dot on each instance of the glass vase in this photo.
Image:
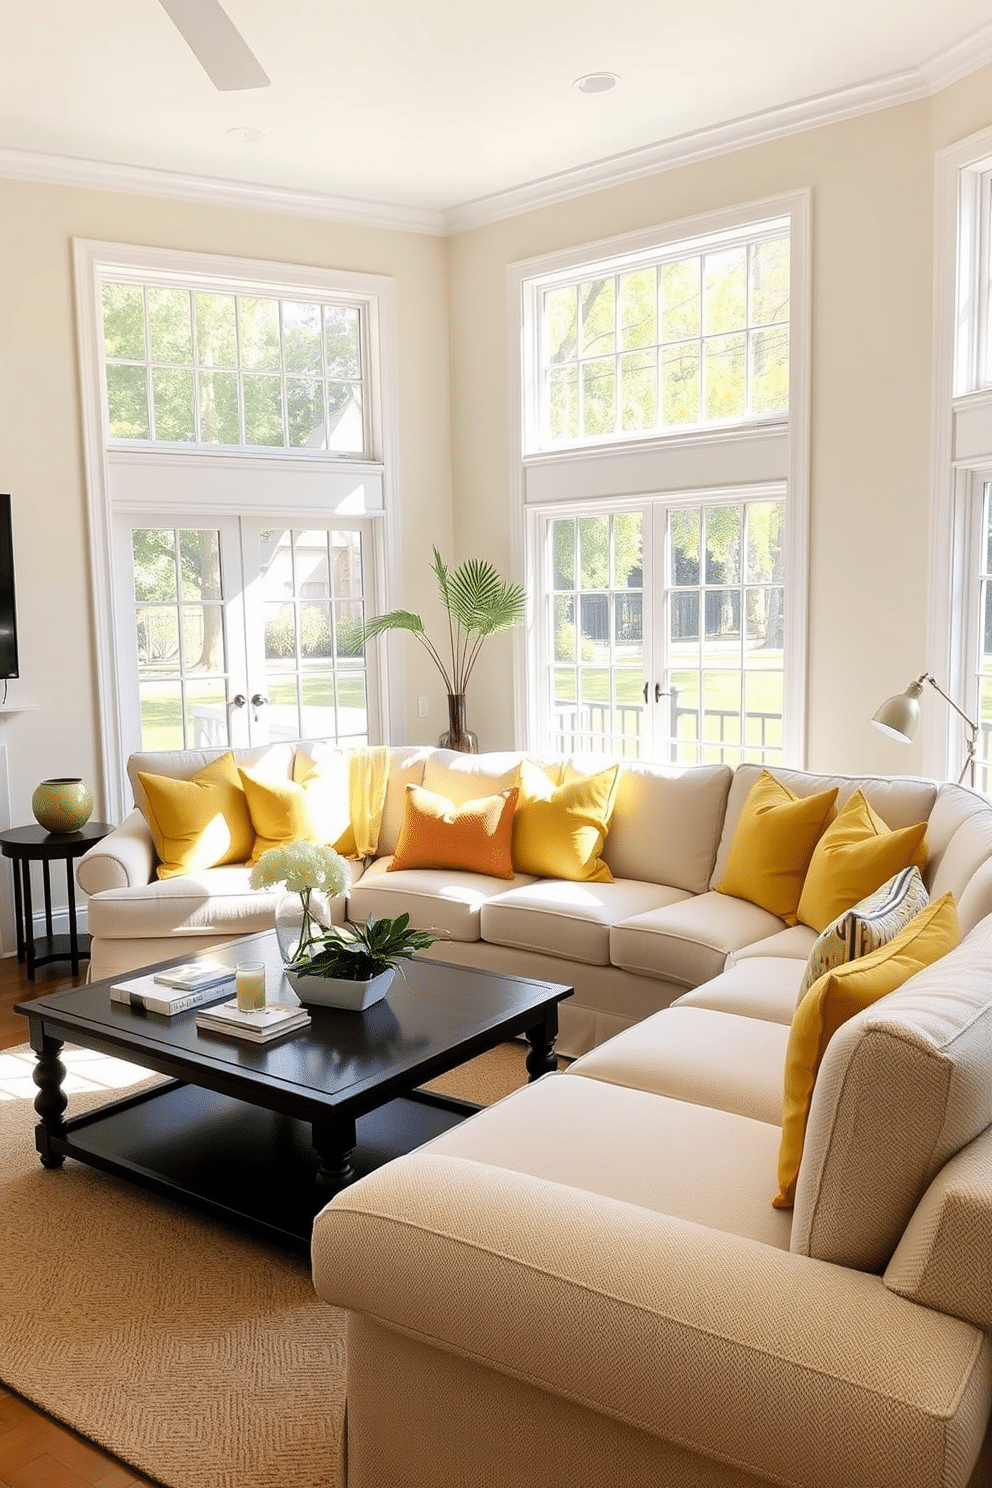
(459, 736)
(299, 918)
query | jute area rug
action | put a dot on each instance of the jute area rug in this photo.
(200, 1356)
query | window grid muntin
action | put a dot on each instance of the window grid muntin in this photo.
(751, 239)
(198, 368)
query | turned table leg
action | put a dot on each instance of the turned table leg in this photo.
(50, 1102)
(334, 1143)
(541, 1057)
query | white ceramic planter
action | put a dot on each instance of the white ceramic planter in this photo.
(336, 992)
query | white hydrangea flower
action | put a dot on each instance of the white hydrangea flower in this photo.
(301, 866)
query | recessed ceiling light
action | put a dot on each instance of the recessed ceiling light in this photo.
(596, 82)
(245, 133)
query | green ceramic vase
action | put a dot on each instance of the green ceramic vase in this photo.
(63, 805)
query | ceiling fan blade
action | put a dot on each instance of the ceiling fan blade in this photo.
(216, 43)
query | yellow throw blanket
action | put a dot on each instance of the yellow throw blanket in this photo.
(368, 771)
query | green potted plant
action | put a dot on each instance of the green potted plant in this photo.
(479, 603)
(353, 966)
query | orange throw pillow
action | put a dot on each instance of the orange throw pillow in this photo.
(473, 838)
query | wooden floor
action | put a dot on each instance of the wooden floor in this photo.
(35, 1451)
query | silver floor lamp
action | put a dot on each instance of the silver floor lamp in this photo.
(899, 717)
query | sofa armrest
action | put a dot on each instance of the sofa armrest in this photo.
(125, 858)
(665, 1325)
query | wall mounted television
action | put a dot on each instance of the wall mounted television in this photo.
(8, 610)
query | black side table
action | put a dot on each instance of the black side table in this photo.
(27, 845)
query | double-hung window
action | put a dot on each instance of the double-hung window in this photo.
(238, 441)
(663, 489)
(960, 648)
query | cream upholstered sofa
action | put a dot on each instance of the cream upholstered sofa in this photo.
(587, 1282)
(628, 947)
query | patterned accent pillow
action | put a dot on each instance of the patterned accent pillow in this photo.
(867, 925)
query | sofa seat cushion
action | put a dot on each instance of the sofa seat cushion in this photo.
(678, 1158)
(438, 899)
(689, 942)
(717, 1059)
(902, 1087)
(793, 944)
(763, 987)
(216, 899)
(563, 918)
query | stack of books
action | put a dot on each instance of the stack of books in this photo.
(176, 989)
(259, 1026)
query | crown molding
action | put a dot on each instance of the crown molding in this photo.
(965, 57)
(98, 175)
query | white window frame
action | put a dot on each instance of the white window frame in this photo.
(757, 453)
(130, 475)
(962, 435)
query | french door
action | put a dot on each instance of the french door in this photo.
(241, 630)
(662, 629)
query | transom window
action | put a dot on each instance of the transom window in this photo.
(696, 336)
(191, 366)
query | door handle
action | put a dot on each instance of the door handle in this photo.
(258, 700)
(659, 692)
(239, 700)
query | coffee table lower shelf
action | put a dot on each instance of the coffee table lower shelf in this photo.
(243, 1164)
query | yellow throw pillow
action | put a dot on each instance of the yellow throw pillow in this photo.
(280, 813)
(837, 996)
(472, 838)
(198, 823)
(560, 831)
(774, 840)
(325, 785)
(856, 855)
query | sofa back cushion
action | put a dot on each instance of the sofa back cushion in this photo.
(902, 1087)
(899, 800)
(666, 824)
(959, 841)
(182, 764)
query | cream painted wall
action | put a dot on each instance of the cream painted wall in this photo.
(41, 461)
(871, 180)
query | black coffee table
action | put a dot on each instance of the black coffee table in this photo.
(263, 1135)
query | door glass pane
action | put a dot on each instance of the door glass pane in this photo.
(180, 639)
(598, 624)
(725, 634)
(314, 660)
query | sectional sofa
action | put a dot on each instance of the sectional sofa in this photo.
(629, 947)
(613, 1276)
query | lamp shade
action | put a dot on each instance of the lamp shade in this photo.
(899, 716)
